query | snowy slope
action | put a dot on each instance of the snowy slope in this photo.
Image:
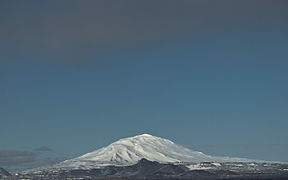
(129, 151)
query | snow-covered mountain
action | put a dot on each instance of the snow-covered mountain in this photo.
(129, 151)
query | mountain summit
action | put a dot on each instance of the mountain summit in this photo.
(131, 150)
(128, 151)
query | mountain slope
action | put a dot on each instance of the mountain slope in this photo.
(129, 151)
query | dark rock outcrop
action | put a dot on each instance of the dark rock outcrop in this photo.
(4, 173)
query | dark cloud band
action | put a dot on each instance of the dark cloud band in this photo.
(74, 30)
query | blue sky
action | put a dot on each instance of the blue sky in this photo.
(221, 89)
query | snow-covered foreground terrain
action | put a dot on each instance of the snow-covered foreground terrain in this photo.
(146, 169)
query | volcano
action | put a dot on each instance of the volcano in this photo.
(129, 151)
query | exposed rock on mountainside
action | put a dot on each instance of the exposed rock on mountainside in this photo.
(4, 173)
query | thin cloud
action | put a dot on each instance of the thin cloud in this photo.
(16, 160)
(43, 148)
(14, 157)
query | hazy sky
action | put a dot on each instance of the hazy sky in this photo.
(78, 75)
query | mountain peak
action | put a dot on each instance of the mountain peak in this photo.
(145, 135)
(141, 136)
(129, 151)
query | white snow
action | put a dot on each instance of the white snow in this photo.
(129, 151)
(216, 164)
(196, 167)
